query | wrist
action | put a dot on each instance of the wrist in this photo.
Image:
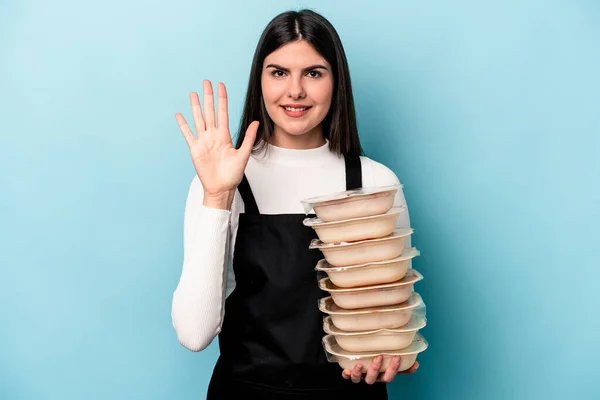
(221, 201)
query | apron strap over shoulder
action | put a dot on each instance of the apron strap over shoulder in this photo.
(353, 173)
(250, 206)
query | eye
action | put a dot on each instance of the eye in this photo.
(278, 73)
(315, 74)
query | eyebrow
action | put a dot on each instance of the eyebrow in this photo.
(312, 67)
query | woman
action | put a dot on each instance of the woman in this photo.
(248, 275)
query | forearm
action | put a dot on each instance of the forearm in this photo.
(198, 300)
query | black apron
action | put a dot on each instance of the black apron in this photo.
(271, 339)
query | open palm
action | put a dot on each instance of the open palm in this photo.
(219, 165)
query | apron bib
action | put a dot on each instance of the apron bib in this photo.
(270, 341)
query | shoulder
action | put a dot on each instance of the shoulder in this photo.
(377, 174)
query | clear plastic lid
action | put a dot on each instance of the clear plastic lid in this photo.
(398, 233)
(327, 306)
(412, 276)
(323, 265)
(417, 321)
(309, 203)
(335, 352)
(318, 222)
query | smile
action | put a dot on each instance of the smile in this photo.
(295, 112)
(295, 109)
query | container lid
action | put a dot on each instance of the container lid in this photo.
(412, 252)
(346, 194)
(327, 305)
(317, 222)
(398, 233)
(411, 276)
(418, 345)
(416, 322)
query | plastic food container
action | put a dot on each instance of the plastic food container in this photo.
(376, 340)
(348, 359)
(372, 296)
(350, 230)
(374, 273)
(372, 318)
(364, 251)
(350, 204)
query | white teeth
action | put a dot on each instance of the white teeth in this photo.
(295, 109)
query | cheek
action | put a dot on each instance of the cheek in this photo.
(271, 99)
(324, 93)
(271, 93)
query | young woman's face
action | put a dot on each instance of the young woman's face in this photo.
(297, 87)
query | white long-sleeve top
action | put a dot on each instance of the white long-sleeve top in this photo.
(279, 179)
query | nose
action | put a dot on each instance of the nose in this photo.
(295, 90)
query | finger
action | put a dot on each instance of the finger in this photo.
(357, 373)
(185, 129)
(346, 374)
(392, 369)
(412, 369)
(373, 371)
(223, 114)
(197, 113)
(209, 105)
(249, 138)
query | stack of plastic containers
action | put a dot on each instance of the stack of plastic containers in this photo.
(372, 308)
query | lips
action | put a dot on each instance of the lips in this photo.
(295, 110)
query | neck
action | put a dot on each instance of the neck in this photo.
(309, 140)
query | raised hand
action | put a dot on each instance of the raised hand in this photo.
(219, 165)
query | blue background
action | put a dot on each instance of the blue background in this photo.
(487, 111)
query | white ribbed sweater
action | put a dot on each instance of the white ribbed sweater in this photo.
(279, 181)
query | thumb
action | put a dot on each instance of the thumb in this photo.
(249, 138)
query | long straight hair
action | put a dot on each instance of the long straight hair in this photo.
(339, 125)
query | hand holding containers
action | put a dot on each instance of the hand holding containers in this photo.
(348, 359)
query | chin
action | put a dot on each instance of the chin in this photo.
(296, 132)
(298, 128)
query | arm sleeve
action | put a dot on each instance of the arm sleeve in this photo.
(383, 176)
(198, 304)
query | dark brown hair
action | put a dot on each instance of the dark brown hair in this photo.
(339, 126)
